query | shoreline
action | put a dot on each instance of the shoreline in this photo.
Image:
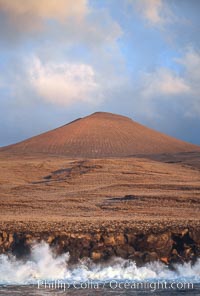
(170, 245)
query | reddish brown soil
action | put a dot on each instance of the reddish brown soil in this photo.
(101, 135)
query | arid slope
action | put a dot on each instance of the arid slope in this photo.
(39, 192)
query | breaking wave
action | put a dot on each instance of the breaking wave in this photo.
(44, 265)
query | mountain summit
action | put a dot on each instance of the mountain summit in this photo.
(101, 135)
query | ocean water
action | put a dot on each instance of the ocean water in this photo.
(43, 273)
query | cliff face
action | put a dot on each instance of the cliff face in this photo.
(101, 135)
(169, 246)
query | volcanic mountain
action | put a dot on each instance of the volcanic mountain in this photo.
(101, 135)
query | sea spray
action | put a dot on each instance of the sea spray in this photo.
(43, 264)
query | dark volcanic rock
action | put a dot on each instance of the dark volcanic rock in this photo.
(168, 247)
(159, 243)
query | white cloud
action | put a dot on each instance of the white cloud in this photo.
(156, 12)
(65, 83)
(163, 82)
(191, 63)
(151, 10)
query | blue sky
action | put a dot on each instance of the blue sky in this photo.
(64, 59)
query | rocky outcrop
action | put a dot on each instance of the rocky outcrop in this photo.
(167, 246)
